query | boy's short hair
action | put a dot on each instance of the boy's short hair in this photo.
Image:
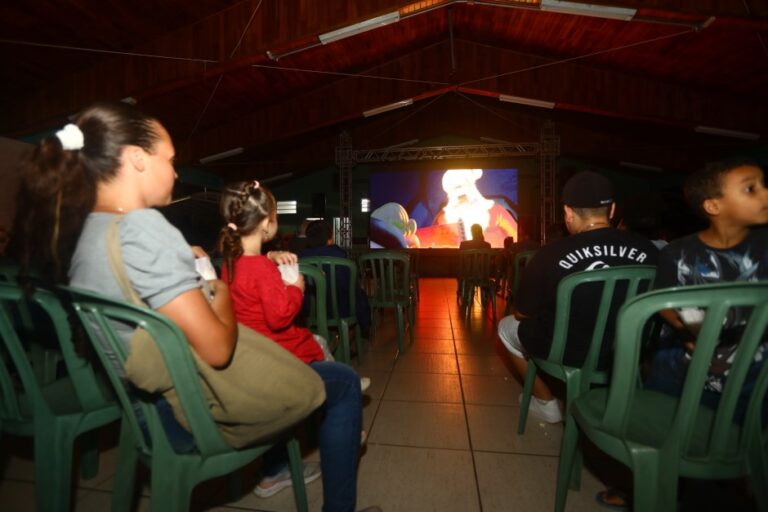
(586, 213)
(319, 232)
(707, 183)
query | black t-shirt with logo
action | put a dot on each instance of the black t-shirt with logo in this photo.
(537, 296)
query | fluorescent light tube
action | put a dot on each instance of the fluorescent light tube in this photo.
(495, 141)
(710, 130)
(403, 144)
(642, 167)
(359, 28)
(526, 101)
(387, 108)
(221, 156)
(276, 178)
(597, 11)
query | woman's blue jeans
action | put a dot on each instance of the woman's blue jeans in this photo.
(340, 425)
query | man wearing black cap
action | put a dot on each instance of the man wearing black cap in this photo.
(588, 203)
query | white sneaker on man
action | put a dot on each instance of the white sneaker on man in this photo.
(365, 383)
(547, 411)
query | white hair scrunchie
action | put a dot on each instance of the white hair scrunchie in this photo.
(71, 137)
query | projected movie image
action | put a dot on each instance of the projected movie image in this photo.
(437, 208)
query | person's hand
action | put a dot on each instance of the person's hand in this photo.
(283, 257)
(299, 283)
(199, 252)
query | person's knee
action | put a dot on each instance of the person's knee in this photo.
(342, 378)
(507, 330)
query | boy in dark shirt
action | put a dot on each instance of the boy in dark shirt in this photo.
(732, 196)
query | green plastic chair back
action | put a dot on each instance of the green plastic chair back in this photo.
(317, 317)
(388, 273)
(33, 328)
(514, 273)
(332, 267)
(618, 284)
(56, 413)
(477, 270)
(661, 437)
(173, 475)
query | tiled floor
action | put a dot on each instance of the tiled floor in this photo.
(441, 420)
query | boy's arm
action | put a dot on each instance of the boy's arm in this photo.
(666, 277)
(686, 332)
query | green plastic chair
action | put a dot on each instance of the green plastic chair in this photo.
(514, 274)
(636, 279)
(317, 318)
(413, 275)
(389, 287)
(173, 475)
(477, 272)
(332, 266)
(56, 413)
(33, 329)
(661, 437)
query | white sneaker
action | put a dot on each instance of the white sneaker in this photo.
(547, 411)
(365, 383)
(282, 480)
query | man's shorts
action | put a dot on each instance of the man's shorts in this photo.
(507, 329)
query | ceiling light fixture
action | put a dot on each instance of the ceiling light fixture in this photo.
(277, 178)
(220, 156)
(710, 130)
(387, 108)
(526, 101)
(579, 9)
(359, 28)
(641, 167)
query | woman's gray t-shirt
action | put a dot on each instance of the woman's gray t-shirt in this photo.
(158, 261)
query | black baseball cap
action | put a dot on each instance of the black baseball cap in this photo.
(587, 189)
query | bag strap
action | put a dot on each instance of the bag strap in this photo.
(117, 265)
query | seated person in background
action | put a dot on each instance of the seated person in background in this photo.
(555, 231)
(524, 243)
(299, 242)
(478, 241)
(646, 225)
(320, 243)
(732, 196)
(266, 303)
(593, 244)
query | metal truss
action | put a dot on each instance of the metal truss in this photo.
(550, 149)
(446, 152)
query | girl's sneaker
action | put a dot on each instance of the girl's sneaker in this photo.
(271, 485)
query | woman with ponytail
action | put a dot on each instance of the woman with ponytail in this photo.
(115, 161)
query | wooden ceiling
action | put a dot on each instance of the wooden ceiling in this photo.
(224, 74)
